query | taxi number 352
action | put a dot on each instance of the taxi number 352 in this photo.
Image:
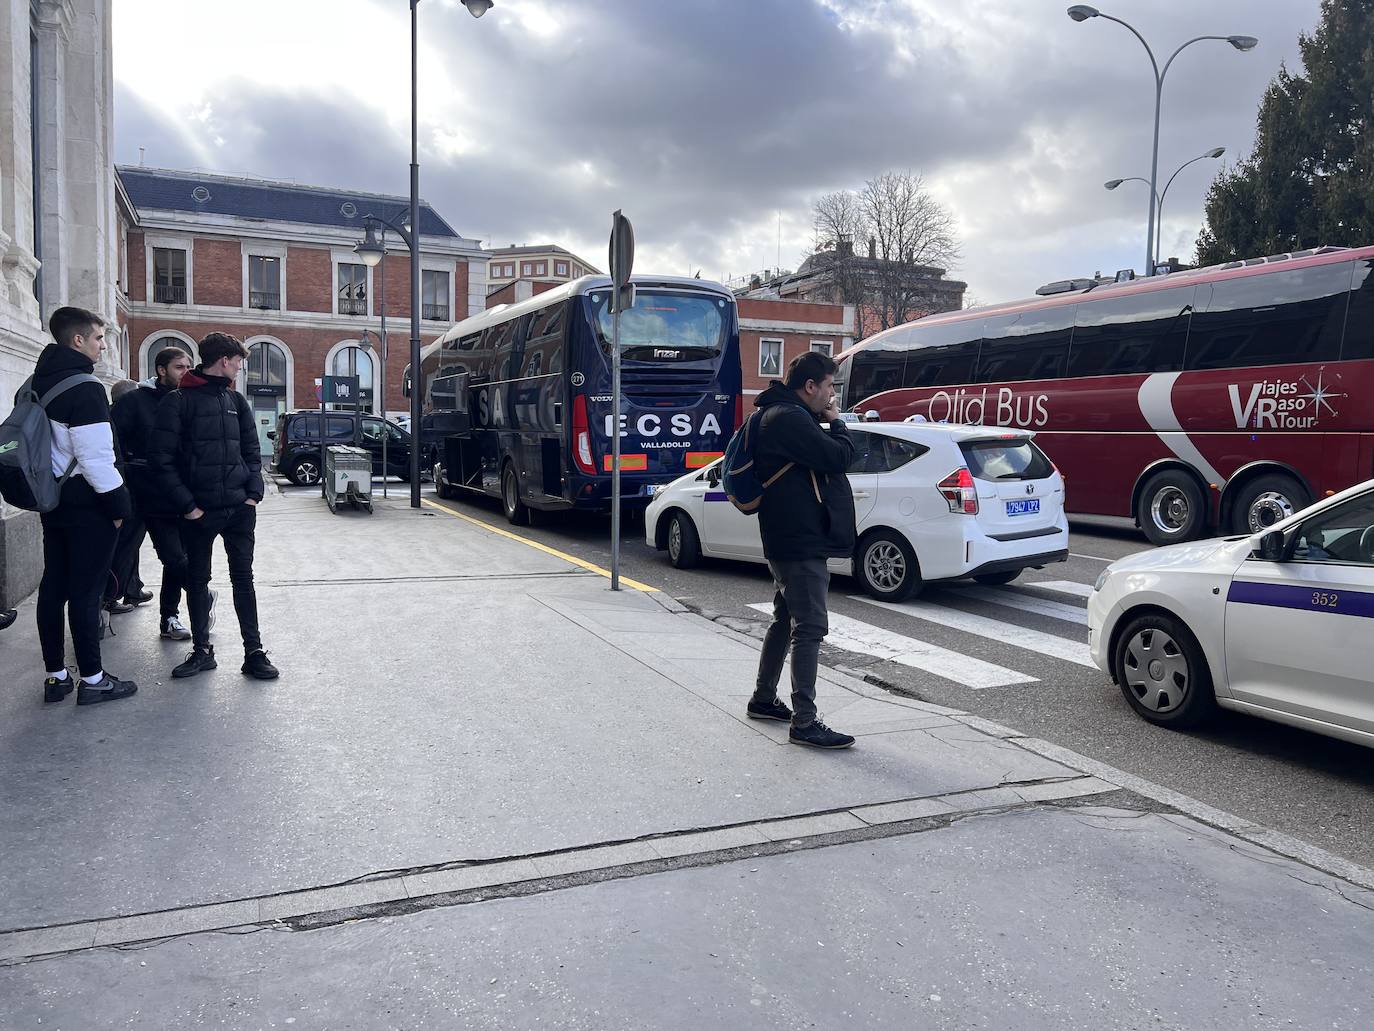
(1325, 599)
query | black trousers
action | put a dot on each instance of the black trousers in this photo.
(800, 620)
(165, 532)
(237, 526)
(77, 550)
(124, 581)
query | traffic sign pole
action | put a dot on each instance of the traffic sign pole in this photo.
(615, 445)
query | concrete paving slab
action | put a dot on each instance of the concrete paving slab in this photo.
(323, 900)
(707, 841)
(808, 826)
(1038, 920)
(595, 858)
(896, 812)
(465, 878)
(177, 921)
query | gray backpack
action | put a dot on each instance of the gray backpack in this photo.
(26, 476)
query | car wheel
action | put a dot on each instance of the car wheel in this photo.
(1170, 508)
(997, 579)
(516, 510)
(1163, 673)
(684, 543)
(441, 486)
(1267, 500)
(886, 566)
(305, 473)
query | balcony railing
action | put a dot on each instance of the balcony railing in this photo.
(435, 312)
(264, 300)
(169, 294)
(352, 305)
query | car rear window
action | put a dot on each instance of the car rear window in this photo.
(1017, 459)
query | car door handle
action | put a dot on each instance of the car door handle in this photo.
(862, 494)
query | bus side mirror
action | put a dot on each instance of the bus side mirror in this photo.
(1271, 546)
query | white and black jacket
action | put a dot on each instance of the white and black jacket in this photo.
(81, 430)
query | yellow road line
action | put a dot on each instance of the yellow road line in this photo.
(635, 584)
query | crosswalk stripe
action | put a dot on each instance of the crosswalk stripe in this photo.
(993, 629)
(1062, 587)
(1024, 602)
(857, 636)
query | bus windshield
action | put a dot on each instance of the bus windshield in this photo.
(664, 326)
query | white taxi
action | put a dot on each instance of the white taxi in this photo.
(1273, 624)
(931, 502)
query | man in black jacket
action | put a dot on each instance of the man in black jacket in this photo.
(79, 534)
(134, 416)
(805, 518)
(206, 460)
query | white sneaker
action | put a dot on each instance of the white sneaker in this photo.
(173, 629)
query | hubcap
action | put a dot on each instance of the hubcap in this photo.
(1157, 671)
(510, 492)
(885, 566)
(1267, 509)
(307, 472)
(1170, 510)
(675, 539)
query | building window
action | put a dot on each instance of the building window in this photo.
(825, 347)
(169, 276)
(510, 271)
(541, 269)
(770, 358)
(354, 361)
(264, 282)
(266, 369)
(560, 268)
(434, 295)
(495, 271)
(161, 344)
(352, 289)
(529, 269)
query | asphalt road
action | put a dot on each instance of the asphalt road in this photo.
(1306, 785)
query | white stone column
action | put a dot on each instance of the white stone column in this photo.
(17, 263)
(54, 27)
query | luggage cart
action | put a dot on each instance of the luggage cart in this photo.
(348, 477)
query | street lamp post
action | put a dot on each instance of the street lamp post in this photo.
(1082, 12)
(382, 353)
(1112, 184)
(371, 250)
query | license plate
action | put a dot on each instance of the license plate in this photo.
(1027, 506)
(650, 489)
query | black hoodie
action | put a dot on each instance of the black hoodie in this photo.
(204, 452)
(809, 511)
(134, 416)
(80, 421)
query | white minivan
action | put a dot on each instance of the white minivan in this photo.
(932, 502)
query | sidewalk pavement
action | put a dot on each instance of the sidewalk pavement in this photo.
(488, 792)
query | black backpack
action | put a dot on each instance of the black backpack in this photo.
(26, 476)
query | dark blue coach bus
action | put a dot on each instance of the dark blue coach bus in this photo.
(517, 400)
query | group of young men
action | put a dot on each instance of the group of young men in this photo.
(175, 459)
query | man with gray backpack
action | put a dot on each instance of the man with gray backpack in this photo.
(57, 457)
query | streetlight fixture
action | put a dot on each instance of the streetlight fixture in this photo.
(382, 353)
(1112, 184)
(1081, 13)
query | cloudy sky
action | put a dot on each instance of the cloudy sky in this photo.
(715, 123)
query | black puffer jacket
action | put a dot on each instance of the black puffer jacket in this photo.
(809, 511)
(204, 451)
(134, 416)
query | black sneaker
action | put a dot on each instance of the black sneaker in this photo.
(108, 690)
(255, 664)
(774, 710)
(817, 735)
(115, 607)
(141, 598)
(198, 661)
(7, 618)
(55, 690)
(173, 629)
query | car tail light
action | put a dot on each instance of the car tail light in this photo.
(958, 489)
(582, 437)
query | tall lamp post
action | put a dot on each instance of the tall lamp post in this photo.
(371, 250)
(1082, 12)
(1112, 184)
(380, 389)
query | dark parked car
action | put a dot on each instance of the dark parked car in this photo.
(296, 443)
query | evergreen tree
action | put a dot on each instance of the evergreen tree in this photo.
(1310, 178)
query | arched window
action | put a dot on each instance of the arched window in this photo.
(354, 361)
(266, 368)
(149, 369)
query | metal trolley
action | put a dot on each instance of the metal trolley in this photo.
(348, 477)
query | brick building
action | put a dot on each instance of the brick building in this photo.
(273, 263)
(541, 262)
(772, 332)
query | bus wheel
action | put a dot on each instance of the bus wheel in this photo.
(516, 510)
(1267, 500)
(441, 486)
(684, 543)
(1170, 508)
(886, 566)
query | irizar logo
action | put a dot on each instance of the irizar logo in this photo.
(1285, 404)
(661, 352)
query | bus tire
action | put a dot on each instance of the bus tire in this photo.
(1265, 500)
(684, 543)
(1171, 508)
(441, 486)
(516, 510)
(886, 566)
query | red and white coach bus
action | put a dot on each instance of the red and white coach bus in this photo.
(1215, 399)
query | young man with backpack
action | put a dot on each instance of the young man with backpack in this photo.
(206, 461)
(806, 516)
(79, 533)
(134, 416)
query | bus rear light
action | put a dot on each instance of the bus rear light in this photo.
(582, 437)
(959, 491)
(628, 463)
(701, 459)
(739, 410)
